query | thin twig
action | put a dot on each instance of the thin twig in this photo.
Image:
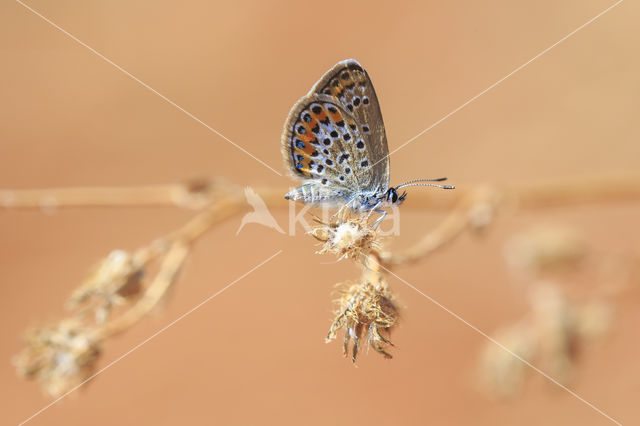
(474, 210)
(450, 228)
(196, 194)
(169, 268)
(178, 245)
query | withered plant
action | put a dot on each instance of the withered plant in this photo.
(124, 287)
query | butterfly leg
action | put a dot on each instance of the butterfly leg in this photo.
(383, 214)
(342, 211)
(372, 209)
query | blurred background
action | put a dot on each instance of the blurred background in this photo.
(255, 354)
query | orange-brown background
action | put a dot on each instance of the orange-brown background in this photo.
(255, 354)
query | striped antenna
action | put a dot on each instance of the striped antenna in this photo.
(420, 182)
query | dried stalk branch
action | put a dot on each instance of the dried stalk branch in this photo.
(179, 245)
(111, 300)
(476, 207)
(196, 194)
(114, 298)
(448, 230)
(169, 269)
(474, 211)
(566, 192)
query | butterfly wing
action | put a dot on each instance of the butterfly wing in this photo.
(323, 145)
(350, 85)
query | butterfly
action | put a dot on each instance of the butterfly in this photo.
(334, 141)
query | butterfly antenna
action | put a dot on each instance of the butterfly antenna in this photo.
(426, 184)
(425, 180)
(420, 182)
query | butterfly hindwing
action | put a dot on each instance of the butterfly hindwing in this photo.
(322, 143)
(334, 138)
(349, 84)
(334, 141)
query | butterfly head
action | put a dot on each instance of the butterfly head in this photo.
(393, 197)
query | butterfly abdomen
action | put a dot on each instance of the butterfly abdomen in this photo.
(314, 194)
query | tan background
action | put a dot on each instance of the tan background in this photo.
(255, 355)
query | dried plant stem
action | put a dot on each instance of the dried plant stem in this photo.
(114, 297)
(195, 194)
(117, 294)
(94, 196)
(476, 207)
(475, 210)
(169, 268)
(451, 227)
(198, 193)
(176, 247)
(574, 191)
(223, 209)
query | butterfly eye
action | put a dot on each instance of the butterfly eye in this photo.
(392, 195)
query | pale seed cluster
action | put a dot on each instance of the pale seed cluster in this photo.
(366, 310)
(64, 354)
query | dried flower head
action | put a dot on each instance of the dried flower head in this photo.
(115, 278)
(552, 318)
(501, 373)
(366, 310)
(352, 238)
(549, 335)
(563, 326)
(59, 356)
(543, 249)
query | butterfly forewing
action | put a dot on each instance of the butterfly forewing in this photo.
(350, 85)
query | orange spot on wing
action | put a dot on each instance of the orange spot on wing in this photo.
(307, 137)
(307, 151)
(310, 125)
(305, 163)
(335, 116)
(322, 116)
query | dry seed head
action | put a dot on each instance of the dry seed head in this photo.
(502, 374)
(366, 310)
(115, 278)
(59, 356)
(548, 336)
(543, 249)
(592, 319)
(351, 239)
(563, 325)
